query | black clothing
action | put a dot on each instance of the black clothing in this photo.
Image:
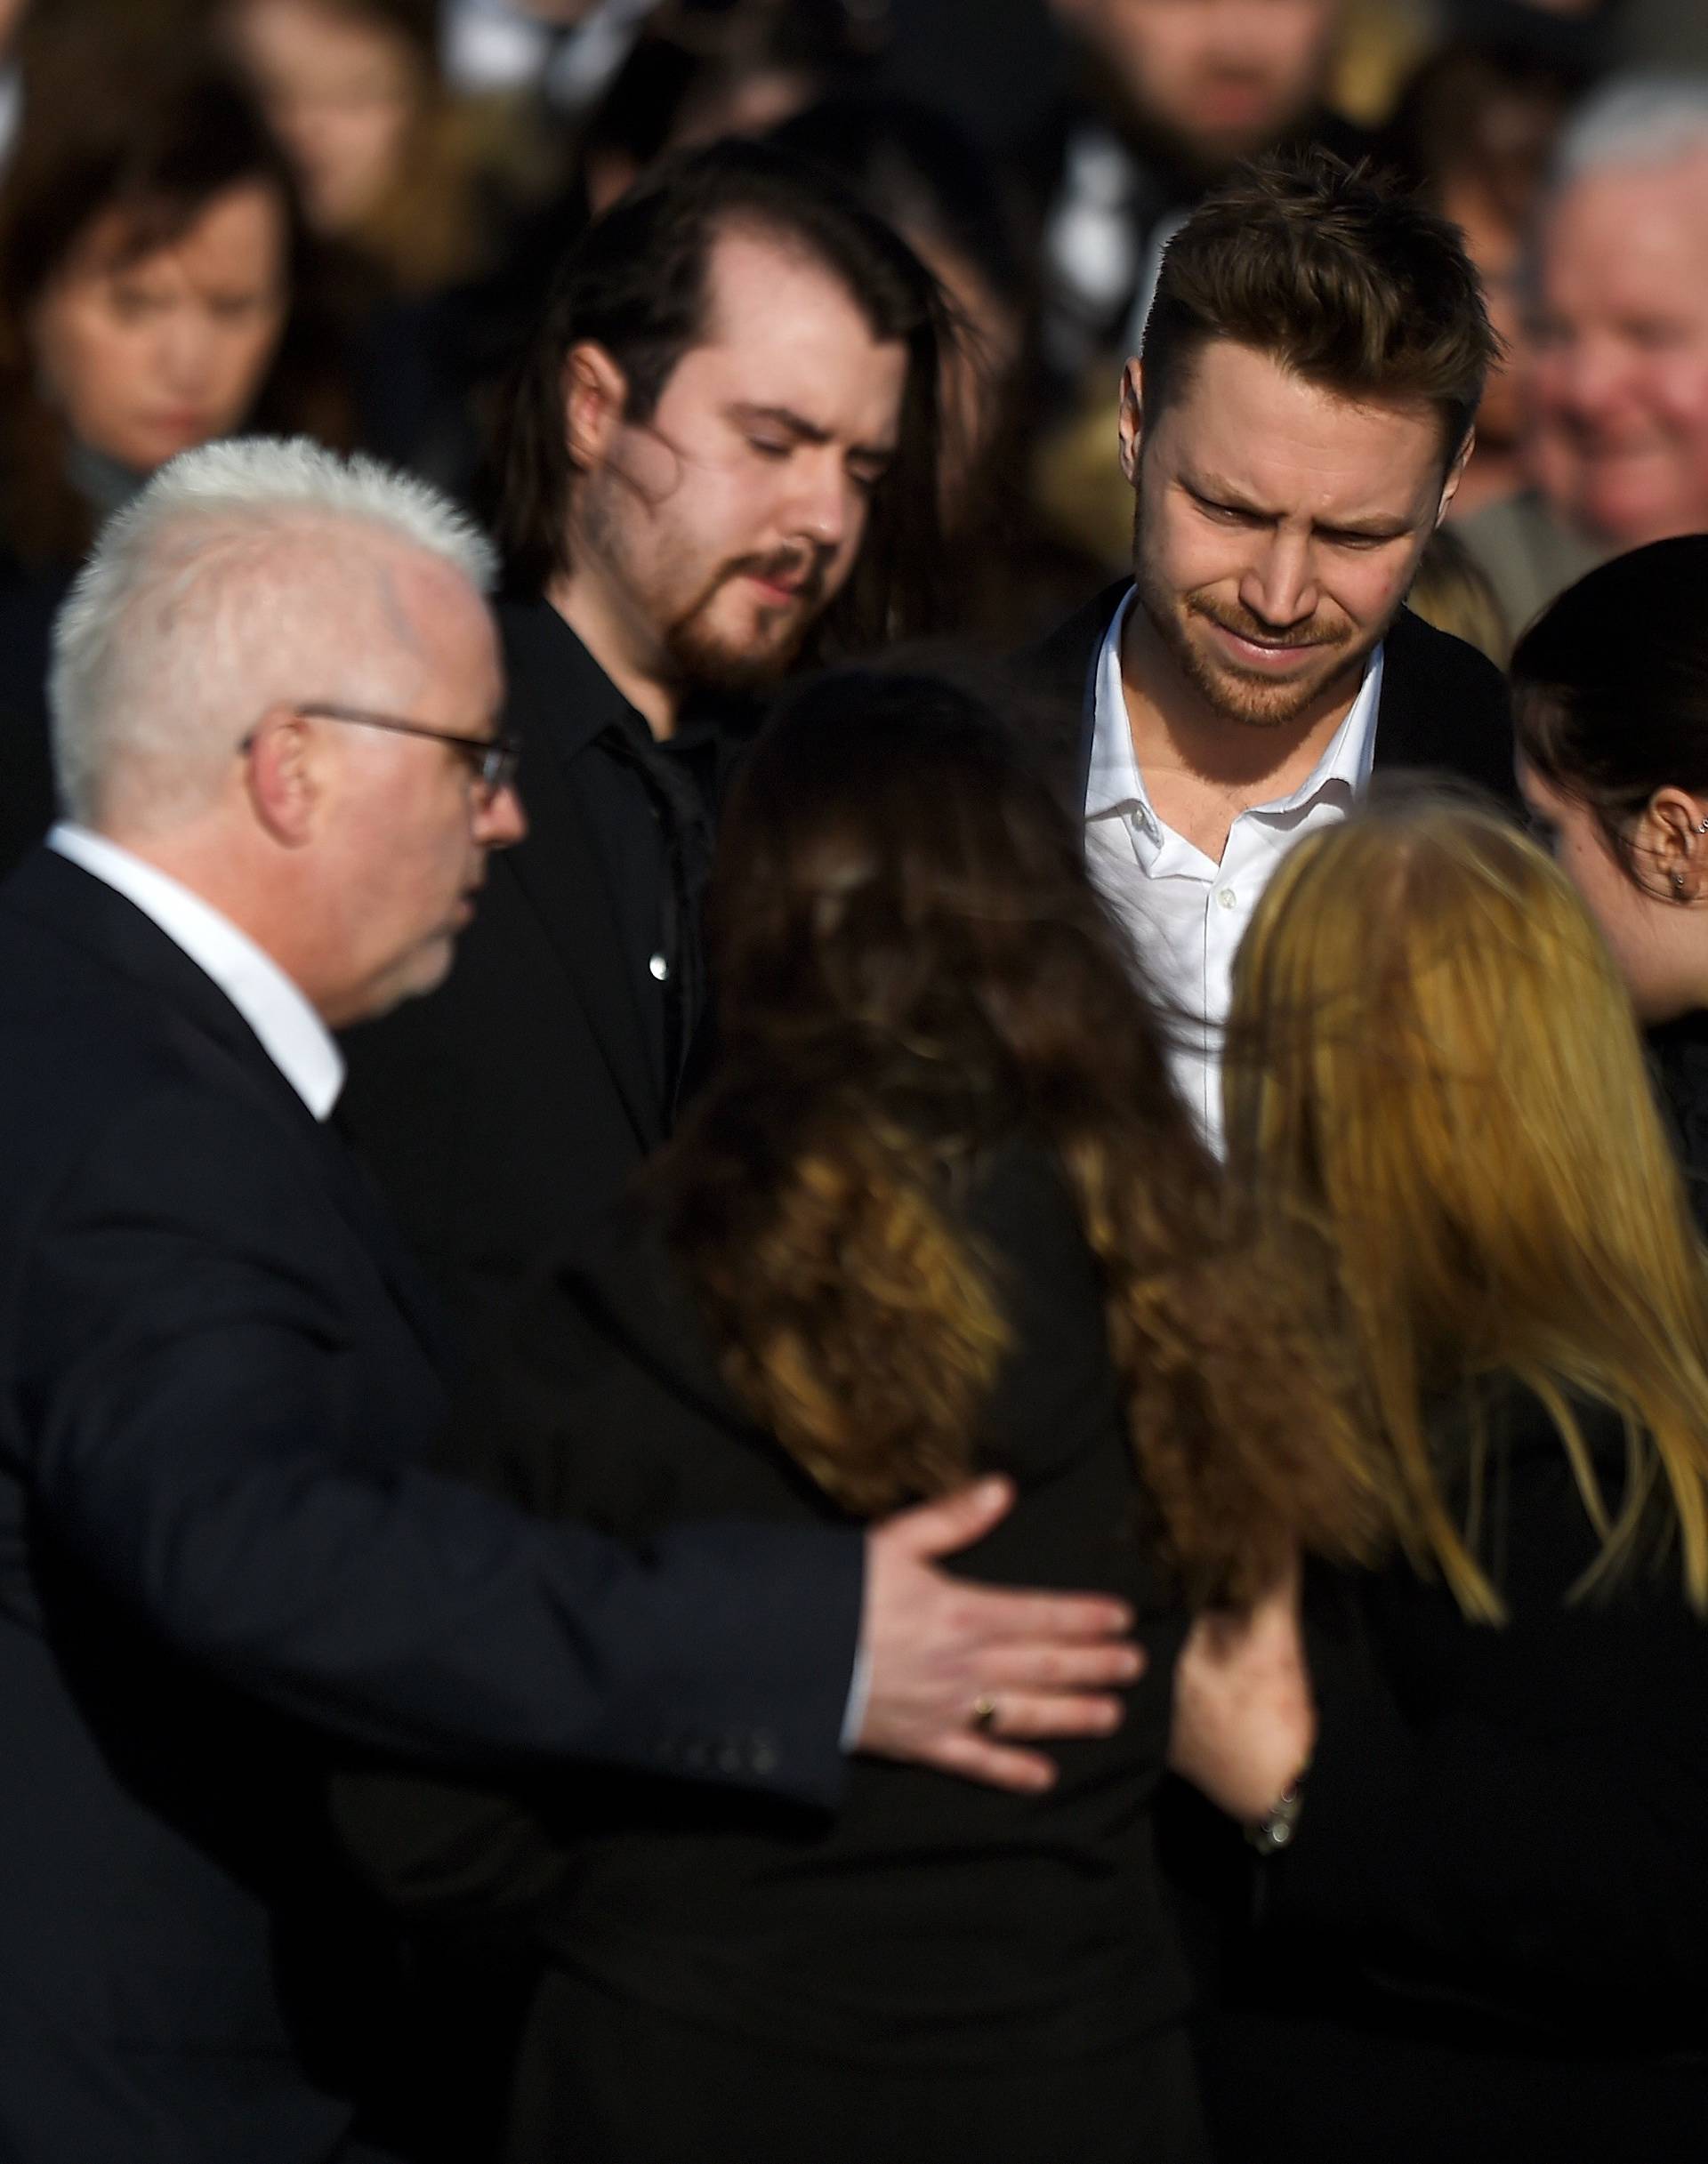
(1678, 1051)
(1486, 1940)
(29, 601)
(935, 1932)
(689, 2093)
(1444, 707)
(219, 1552)
(511, 1104)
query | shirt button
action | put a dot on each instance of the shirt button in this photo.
(659, 967)
(1226, 897)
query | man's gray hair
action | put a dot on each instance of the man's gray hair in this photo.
(1632, 120)
(244, 573)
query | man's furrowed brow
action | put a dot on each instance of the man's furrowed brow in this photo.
(1224, 496)
(779, 417)
(748, 414)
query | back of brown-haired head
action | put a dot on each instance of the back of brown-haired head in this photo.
(1349, 282)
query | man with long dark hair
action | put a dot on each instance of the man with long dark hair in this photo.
(717, 460)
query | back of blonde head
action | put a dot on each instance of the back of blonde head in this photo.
(1436, 1062)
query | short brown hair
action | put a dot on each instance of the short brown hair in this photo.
(1352, 283)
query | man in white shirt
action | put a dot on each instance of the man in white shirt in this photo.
(275, 691)
(1294, 431)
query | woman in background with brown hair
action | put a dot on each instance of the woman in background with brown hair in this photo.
(1482, 1936)
(937, 1210)
(151, 299)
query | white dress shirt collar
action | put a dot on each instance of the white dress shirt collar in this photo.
(1116, 784)
(292, 1034)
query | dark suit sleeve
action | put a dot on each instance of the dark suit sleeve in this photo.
(1540, 1836)
(185, 1394)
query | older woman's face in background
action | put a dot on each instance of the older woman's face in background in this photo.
(342, 95)
(147, 357)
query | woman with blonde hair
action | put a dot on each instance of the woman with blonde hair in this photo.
(1484, 1936)
(937, 1209)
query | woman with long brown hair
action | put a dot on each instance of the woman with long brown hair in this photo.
(936, 1211)
(1484, 1936)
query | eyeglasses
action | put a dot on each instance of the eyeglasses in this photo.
(493, 759)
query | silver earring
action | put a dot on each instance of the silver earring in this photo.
(1677, 881)
(1703, 828)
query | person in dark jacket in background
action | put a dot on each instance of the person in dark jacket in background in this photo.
(1482, 1911)
(1611, 710)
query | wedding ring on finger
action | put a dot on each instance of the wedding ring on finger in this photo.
(984, 1713)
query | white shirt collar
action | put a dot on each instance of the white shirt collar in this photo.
(293, 1036)
(1116, 784)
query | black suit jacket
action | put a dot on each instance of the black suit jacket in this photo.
(217, 1367)
(1444, 707)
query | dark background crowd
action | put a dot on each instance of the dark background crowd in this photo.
(410, 172)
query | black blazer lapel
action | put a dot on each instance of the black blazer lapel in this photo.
(1445, 709)
(1060, 673)
(60, 898)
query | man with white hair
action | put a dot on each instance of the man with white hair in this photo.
(275, 691)
(1618, 434)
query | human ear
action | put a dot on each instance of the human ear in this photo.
(595, 393)
(1131, 424)
(1672, 834)
(282, 776)
(1455, 474)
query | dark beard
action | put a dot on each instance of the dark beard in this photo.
(1284, 703)
(702, 660)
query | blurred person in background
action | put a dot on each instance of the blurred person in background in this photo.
(956, 208)
(1475, 129)
(1617, 447)
(719, 460)
(1292, 433)
(352, 92)
(1172, 94)
(692, 75)
(417, 199)
(12, 78)
(156, 292)
(560, 52)
(1480, 1914)
(937, 1207)
(1610, 706)
(696, 76)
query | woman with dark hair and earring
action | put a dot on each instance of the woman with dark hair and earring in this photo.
(151, 298)
(936, 1209)
(1610, 708)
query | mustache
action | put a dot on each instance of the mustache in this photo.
(804, 571)
(1242, 624)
